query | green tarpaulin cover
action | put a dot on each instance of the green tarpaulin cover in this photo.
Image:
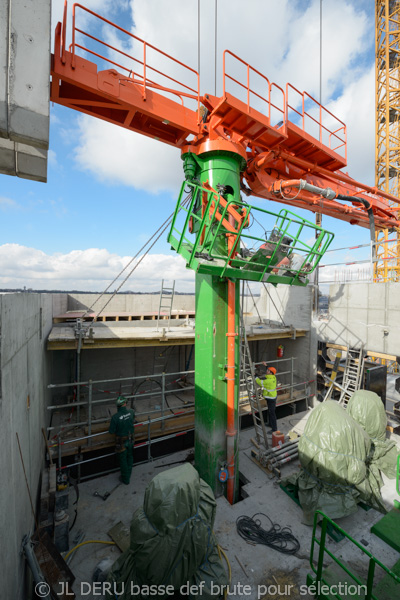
(172, 539)
(340, 461)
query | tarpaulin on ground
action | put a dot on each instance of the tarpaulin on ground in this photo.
(337, 458)
(172, 540)
(368, 410)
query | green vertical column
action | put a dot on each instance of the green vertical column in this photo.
(219, 168)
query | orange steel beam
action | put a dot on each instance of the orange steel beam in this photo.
(276, 152)
(267, 174)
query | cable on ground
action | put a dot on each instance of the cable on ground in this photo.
(276, 537)
(88, 542)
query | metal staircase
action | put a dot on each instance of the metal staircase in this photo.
(166, 301)
(352, 374)
(253, 391)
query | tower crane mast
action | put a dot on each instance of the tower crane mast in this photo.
(387, 148)
(278, 144)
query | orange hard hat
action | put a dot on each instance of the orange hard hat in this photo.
(272, 369)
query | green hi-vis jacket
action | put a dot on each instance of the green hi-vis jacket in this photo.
(268, 386)
(122, 422)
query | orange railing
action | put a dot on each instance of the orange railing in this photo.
(251, 92)
(137, 64)
(335, 141)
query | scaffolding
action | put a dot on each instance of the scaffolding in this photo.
(158, 417)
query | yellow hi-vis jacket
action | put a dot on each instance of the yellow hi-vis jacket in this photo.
(268, 386)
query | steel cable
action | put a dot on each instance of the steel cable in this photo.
(160, 231)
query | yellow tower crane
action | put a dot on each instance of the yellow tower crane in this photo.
(387, 169)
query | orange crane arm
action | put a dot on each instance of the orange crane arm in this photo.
(285, 163)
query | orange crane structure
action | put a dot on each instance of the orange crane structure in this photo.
(387, 160)
(271, 142)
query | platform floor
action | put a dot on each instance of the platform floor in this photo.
(264, 568)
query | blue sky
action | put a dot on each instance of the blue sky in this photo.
(108, 190)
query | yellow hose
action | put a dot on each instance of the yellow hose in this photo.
(220, 551)
(87, 542)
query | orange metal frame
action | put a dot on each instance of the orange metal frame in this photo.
(275, 154)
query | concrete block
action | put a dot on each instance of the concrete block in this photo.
(61, 500)
(4, 35)
(357, 296)
(8, 157)
(61, 533)
(31, 163)
(29, 72)
(47, 525)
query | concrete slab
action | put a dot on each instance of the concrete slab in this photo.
(259, 567)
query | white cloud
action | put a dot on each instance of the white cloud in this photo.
(356, 107)
(88, 270)
(120, 156)
(7, 203)
(290, 52)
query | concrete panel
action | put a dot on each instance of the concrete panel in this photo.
(23, 160)
(4, 34)
(134, 303)
(25, 321)
(31, 163)
(29, 72)
(8, 157)
(377, 326)
(393, 294)
(24, 87)
(357, 297)
(60, 304)
(292, 304)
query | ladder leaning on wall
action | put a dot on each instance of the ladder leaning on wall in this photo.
(165, 304)
(352, 375)
(253, 391)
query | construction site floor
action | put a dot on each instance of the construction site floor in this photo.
(259, 567)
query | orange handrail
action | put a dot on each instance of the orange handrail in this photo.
(250, 69)
(194, 92)
(322, 110)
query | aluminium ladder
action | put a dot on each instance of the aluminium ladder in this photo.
(352, 374)
(166, 301)
(253, 390)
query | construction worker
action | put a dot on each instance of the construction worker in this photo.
(268, 385)
(122, 424)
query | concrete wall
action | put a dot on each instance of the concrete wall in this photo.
(364, 313)
(292, 305)
(24, 87)
(128, 302)
(25, 321)
(119, 362)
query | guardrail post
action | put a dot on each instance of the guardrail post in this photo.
(162, 400)
(149, 439)
(90, 397)
(59, 451)
(291, 378)
(248, 88)
(370, 579)
(321, 549)
(144, 71)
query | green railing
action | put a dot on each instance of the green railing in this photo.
(319, 580)
(396, 502)
(233, 239)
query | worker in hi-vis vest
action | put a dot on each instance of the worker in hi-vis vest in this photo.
(268, 385)
(122, 424)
